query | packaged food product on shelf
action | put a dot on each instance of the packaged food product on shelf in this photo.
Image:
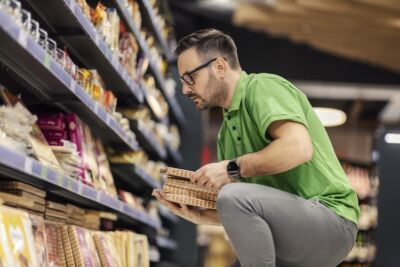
(21, 195)
(82, 155)
(129, 50)
(106, 250)
(39, 235)
(83, 247)
(140, 159)
(69, 158)
(16, 227)
(54, 243)
(133, 9)
(105, 181)
(142, 117)
(131, 199)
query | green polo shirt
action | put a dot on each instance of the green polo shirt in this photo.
(259, 100)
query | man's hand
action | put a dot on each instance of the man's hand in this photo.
(213, 175)
(191, 214)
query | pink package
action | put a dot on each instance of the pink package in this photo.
(55, 134)
(75, 130)
(51, 124)
(51, 116)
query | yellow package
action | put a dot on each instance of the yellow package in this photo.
(16, 236)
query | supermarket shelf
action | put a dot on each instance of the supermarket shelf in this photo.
(148, 141)
(67, 21)
(26, 169)
(134, 177)
(176, 111)
(52, 83)
(163, 263)
(154, 116)
(165, 213)
(157, 31)
(174, 156)
(167, 243)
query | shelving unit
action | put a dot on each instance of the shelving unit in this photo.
(149, 142)
(166, 243)
(135, 177)
(68, 22)
(362, 255)
(28, 170)
(53, 84)
(176, 111)
(166, 214)
(157, 31)
(174, 156)
(45, 81)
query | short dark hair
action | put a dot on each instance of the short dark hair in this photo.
(210, 43)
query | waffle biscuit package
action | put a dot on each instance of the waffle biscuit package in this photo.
(8, 184)
(25, 195)
(55, 249)
(178, 188)
(69, 257)
(106, 250)
(83, 247)
(15, 226)
(141, 248)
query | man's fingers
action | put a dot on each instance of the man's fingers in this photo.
(197, 175)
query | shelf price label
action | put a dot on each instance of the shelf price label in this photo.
(43, 172)
(60, 180)
(72, 5)
(72, 85)
(28, 165)
(69, 184)
(22, 38)
(47, 60)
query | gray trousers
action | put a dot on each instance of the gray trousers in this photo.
(270, 227)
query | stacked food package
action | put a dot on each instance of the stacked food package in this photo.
(33, 242)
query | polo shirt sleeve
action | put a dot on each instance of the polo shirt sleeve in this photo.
(271, 99)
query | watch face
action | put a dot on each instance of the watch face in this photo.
(232, 166)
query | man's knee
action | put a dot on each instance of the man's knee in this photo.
(230, 195)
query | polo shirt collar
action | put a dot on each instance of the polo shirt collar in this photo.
(237, 95)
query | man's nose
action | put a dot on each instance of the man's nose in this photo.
(186, 89)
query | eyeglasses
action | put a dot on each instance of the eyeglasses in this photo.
(187, 76)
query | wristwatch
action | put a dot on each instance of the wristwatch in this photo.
(233, 169)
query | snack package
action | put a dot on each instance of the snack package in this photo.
(106, 250)
(15, 226)
(39, 235)
(55, 249)
(105, 180)
(83, 247)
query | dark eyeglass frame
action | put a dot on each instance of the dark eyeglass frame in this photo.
(187, 76)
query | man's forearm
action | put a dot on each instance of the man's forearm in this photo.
(280, 156)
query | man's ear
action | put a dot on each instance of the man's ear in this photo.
(221, 67)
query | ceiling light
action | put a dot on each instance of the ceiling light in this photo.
(392, 138)
(331, 117)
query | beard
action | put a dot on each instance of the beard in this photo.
(217, 92)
